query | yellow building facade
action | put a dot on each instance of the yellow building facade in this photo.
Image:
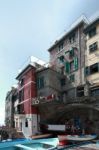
(92, 56)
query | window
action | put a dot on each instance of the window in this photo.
(21, 95)
(22, 82)
(72, 78)
(22, 108)
(80, 91)
(61, 58)
(94, 68)
(93, 47)
(19, 109)
(20, 126)
(16, 124)
(71, 66)
(72, 38)
(71, 52)
(92, 32)
(61, 46)
(26, 123)
(95, 91)
(40, 83)
(87, 71)
(62, 70)
(63, 82)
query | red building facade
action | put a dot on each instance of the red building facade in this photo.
(27, 115)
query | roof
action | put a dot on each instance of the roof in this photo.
(91, 25)
(34, 62)
(24, 70)
(77, 23)
(47, 69)
(43, 69)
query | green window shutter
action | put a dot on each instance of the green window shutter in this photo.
(76, 63)
(67, 65)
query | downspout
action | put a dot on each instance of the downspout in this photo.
(86, 87)
(86, 83)
(80, 59)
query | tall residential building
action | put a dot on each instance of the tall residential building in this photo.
(92, 57)
(65, 77)
(67, 56)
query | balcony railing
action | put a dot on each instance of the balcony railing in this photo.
(68, 100)
(43, 99)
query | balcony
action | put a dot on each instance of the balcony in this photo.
(42, 99)
(56, 100)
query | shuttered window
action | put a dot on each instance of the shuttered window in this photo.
(71, 52)
(76, 63)
(67, 66)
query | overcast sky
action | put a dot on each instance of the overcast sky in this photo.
(29, 27)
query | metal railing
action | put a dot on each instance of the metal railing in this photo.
(68, 100)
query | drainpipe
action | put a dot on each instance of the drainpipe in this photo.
(86, 87)
(87, 84)
(79, 41)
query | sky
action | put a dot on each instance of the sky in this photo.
(29, 27)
